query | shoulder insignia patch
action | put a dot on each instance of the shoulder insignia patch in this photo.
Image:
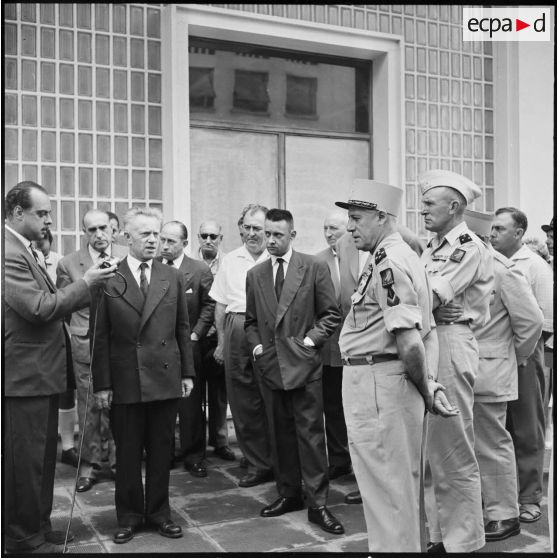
(365, 279)
(387, 277)
(457, 255)
(380, 255)
(465, 238)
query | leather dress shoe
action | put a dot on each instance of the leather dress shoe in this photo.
(282, 505)
(85, 483)
(253, 479)
(58, 537)
(502, 529)
(69, 457)
(196, 469)
(170, 529)
(226, 453)
(123, 535)
(325, 519)
(436, 548)
(336, 471)
(353, 497)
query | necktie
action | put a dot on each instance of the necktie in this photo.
(103, 256)
(170, 262)
(144, 285)
(279, 278)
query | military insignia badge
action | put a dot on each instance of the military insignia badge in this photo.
(465, 238)
(380, 255)
(457, 255)
(387, 277)
(365, 279)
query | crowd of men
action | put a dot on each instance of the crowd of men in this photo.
(422, 369)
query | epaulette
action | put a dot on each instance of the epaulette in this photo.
(465, 238)
(380, 255)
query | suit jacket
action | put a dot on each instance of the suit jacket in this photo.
(141, 351)
(37, 350)
(510, 336)
(197, 280)
(307, 307)
(331, 355)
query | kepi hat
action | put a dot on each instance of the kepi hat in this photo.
(371, 194)
(479, 223)
(548, 228)
(437, 177)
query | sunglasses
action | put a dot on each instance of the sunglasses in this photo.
(204, 236)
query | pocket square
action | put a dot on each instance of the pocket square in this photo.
(189, 291)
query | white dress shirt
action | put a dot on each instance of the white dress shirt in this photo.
(286, 259)
(96, 255)
(175, 263)
(134, 265)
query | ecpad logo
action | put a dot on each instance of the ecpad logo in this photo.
(506, 24)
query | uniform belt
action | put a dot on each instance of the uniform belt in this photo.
(461, 322)
(238, 313)
(366, 359)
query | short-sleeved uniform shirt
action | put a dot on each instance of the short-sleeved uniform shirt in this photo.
(461, 269)
(393, 293)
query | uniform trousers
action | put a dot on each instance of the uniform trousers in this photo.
(30, 440)
(336, 429)
(245, 397)
(526, 421)
(456, 518)
(94, 428)
(297, 432)
(496, 458)
(139, 426)
(384, 413)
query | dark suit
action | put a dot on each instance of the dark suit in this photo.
(37, 369)
(71, 268)
(332, 380)
(291, 372)
(197, 281)
(141, 353)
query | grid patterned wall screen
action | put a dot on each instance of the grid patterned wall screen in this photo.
(448, 91)
(83, 107)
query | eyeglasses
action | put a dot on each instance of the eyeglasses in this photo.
(204, 236)
(95, 229)
(249, 228)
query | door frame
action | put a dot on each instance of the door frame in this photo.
(180, 21)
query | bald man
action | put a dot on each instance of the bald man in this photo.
(339, 459)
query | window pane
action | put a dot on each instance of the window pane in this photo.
(137, 86)
(30, 172)
(155, 153)
(10, 109)
(84, 15)
(154, 88)
(11, 174)
(103, 183)
(67, 154)
(48, 146)
(154, 55)
(101, 49)
(85, 81)
(136, 21)
(155, 185)
(86, 183)
(84, 47)
(138, 119)
(250, 90)
(66, 14)
(28, 12)
(48, 181)
(301, 96)
(120, 185)
(10, 144)
(28, 40)
(103, 79)
(153, 23)
(66, 113)
(120, 84)
(85, 142)
(136, 53)
(28, 110)
(48, 112)
(47, 42)
(66, 45)
(155, 121)
(103, 117)
(66, 79)
(119, 18)
(119, 51)
(138, 184)
(102, 17)
(138, 152)
(10, 73)
(121, 150)
(10, 38)
(103, 150)
(47, 77)
(47, 13)
(29, 75)
(85, 115)
(67, 181)
(120, 117)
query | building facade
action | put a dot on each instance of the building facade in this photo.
(200, 109)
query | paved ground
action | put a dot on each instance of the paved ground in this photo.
(217, 516)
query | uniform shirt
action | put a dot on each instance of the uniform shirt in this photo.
(229, 287)
(539, 275)
(461, 269)
(393, 293)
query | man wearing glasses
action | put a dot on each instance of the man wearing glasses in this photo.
(71, 268)
(243, 382)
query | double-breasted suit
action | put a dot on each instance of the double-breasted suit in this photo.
(72, 268)
(332, 379)
(290, 370)
(37, 368)
(141, 352)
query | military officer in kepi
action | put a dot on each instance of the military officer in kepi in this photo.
(389, 350)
